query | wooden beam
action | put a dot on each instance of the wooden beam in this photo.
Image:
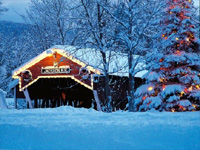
(97, 100)
(26, 94)
(15, 96)
(35, 103)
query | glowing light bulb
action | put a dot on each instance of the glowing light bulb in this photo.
(182, 93)
(144, 97)
(198, 86)
(187, 39)
(161, 60)
(190, 89)
(194, 105)
(150, 88)
(177, 38)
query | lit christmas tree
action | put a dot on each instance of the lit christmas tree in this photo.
(173, 80)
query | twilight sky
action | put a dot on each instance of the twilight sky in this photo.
(17, 7)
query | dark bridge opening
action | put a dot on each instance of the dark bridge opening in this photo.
(55, 92)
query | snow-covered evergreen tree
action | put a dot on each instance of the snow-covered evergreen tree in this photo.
(173, 80)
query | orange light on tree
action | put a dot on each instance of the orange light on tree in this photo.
(181, 107)
(144, 97)
(190, 88)
(182, 93)
(182, 42)
(161, 60)
(198, 87)
(163, 87)
(162, 68)
(186, 90)
(191, 26)
(194, 105)
(178, 52)
(149, 103)
(150, 88)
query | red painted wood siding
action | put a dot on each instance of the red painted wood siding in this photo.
(62, 61)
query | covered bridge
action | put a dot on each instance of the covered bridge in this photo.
(65, 75)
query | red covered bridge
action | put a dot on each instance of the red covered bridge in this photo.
(64, 75)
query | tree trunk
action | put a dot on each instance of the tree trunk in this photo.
(105, 63)
(107, 85)
(131, 83)
(131, 67)
(108, 94)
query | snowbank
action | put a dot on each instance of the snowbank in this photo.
(3, 104)
(79, 128)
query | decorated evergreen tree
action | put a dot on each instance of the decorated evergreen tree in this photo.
(173, 80)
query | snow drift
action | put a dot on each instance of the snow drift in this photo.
(87, 129)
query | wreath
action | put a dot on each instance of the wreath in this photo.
(84, 73)
(26, 76)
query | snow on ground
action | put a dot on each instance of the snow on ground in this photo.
(10, 103)
(86, 129)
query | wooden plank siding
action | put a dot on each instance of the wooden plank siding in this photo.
(62, 61)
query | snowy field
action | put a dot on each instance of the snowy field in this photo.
(70, 128)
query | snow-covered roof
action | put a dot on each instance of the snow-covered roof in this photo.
(118, 62)
(3, 92)
(13, 83)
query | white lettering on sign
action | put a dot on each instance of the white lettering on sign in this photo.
(55, 70)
